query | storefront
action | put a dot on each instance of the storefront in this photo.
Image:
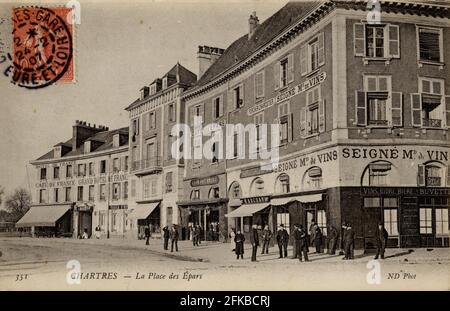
(49, 221)
(82, 219)
(145, 214)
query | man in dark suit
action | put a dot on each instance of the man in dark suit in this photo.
(147, 234)
(174, 238)
(382, 237)
(254, 239)
(301, 238)
(349, 240)
(282, 240)
(332, 240)
(166, 235)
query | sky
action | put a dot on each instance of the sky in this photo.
(119, 47)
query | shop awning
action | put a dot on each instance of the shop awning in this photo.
(143, 211)
(282, 201)
(234, 202)
(43, 216)
(247, 210)
(309, 198)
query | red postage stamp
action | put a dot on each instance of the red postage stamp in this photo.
(43, 46)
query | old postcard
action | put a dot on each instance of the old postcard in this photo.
(224, 145)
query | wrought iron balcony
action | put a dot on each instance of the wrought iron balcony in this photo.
(436, 123)
(146, 165)
(378, 122)
(433, 181)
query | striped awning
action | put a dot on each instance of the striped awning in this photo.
(43, 216)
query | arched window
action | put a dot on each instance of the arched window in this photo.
(195, 194)
(214, 193)
(257, 186)
(313, 178)
(378, 173)
(282, 184)
(235, 191)
(431, 174)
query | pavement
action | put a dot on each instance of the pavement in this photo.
(43, 263)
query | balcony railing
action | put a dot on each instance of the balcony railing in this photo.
(378, 122)
(432, 123)
(433, 181)
(145, 165)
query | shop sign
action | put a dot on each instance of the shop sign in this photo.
(118, 207)
(83, 208)
(204, 181)
(392, 153)
(302, 87)
(254, 171)
(255, 200)
(404, 191)
(307, 160)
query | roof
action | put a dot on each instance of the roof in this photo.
(264, 33)
(104, 137)
(185, 77)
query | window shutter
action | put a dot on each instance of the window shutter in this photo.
(394, 41)
(303, 122)
(145, 123)
(321, 49)
(290, 72)
(202, 112)
(322, 116)
(308, 121)
(421, 175)
(213, 105)
(241, 95)
(290, 126)
(304, 60)
(397, 109)
(361, 106)
(75, 170)
(416, 109)
(447, 111)
(359, 39)
(276, 75)
(221, 106)
(122, 163)
(230, 101)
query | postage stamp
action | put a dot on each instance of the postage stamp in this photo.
(42, 47)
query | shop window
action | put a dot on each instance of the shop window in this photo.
(312, 118)
(69, 171)
(259, 84)
(430, 45)
(390, 215)
(91, 193)
(102, 192)
(68, 194)
(376, 41)
(378, 174)
(425, 220)
(442, 222)
(42, 196)
(284, 219)
(322, 221)
(43, 174)
(56, 172)
(247, 224)
(312, 55)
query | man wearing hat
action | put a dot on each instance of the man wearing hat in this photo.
(382, 237)
(254, 239)
(282, 240)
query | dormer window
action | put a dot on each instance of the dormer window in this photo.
(153, 89)
(57, 152)
(87, 146)
(144, 92)
(164, 83)
(116, 140)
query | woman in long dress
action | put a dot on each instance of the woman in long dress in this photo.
(232, 242)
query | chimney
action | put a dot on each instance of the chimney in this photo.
(81, 132)
(253, 23)
(206, 57)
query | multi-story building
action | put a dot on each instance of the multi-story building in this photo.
(155, 173)
(363, 112)
(81, 184)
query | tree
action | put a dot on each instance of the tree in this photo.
(18, 203)
(2, 191)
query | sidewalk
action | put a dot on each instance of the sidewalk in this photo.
(220, 253)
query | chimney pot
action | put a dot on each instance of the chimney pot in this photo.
(253, 23)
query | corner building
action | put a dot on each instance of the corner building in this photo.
(80, 184)
(155, 174)
(364, 115)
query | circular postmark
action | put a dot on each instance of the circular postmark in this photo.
(42, 47)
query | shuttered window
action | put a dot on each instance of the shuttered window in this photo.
(429, 44)
(259, 84)
(376, 41)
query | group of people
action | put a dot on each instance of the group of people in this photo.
(168, 233)
(302, 240)
(196, 233)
